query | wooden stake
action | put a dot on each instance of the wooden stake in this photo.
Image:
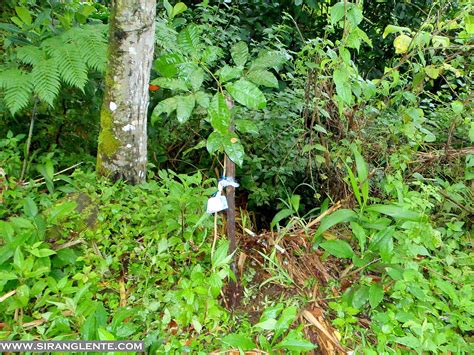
(233, 293)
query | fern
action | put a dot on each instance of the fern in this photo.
(91, 43)
(17, 85)
(30, 55)
(69, 62)
(46, 80)
(66, 57)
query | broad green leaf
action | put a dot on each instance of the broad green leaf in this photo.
(241, 341)
(263, 77)
(391, 29)
(284, 213)
(339, 216)
(192, 74)
(214, 142)
(338, 248)
(401, 43)
(170, 83)
(457, 107)
(361, 296)
(188, 39)
(469, 23)
(293, 343)
(285, 320)
(19, 259)
(60, 212)
(104, 334)
(169, 9)
(202, 99)
(360, 234)
(42, 253)
(440, 41)
(168, 64)
(375, 294)
(24, 14)
(432, 71)
(178, 9)
(221, 257)
(268, 324)
(362, 174)
(246, 126)
(227, 73)
(184, 107)
(234, 149)
(239, 53)
(219, 114)
(395, 211)
(247, 94)
(268, 59)
(165, 106)
(337, 12)
(343, 87)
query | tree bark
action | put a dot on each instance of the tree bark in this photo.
(122, 150)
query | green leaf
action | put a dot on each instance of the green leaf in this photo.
(343, 87)
(42, 253)
(202, 99)
(168, 64)
(395, 212)
(188, 39)
(178, 9)
(247, 94)
(221, 257)
(184, 107)
(375, 294)
(219, 114)
(61, 211)
(339, 216)
(338, 248)
(214, 142)
(24, 14)
(294, 344)
(285, 320)
(166, 106)
(268, 59)
(246, 126)
(46, 80)
(337, 12)
(360, 234)
(281, 215)
(104, 334)
(361, 296)
(268, 324)
(19, 259)
(170, 83)
(227, 73)
(469, 23)
(457, 107)
(263, 78)
(239, 53)
(401, 43)
(432, 71)
(241, 341)
(234, 149)
(391, 29)
(440, 41)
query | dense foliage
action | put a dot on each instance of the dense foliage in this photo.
(354, 135)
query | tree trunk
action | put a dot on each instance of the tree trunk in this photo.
(122, 151)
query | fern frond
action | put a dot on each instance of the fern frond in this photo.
(46, 80)
(71, 67)
(91, 42)
(30, 54)
(17, 85)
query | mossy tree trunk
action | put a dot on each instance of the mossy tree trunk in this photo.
(122, 151)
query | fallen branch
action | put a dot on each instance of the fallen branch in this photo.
(7, 295)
